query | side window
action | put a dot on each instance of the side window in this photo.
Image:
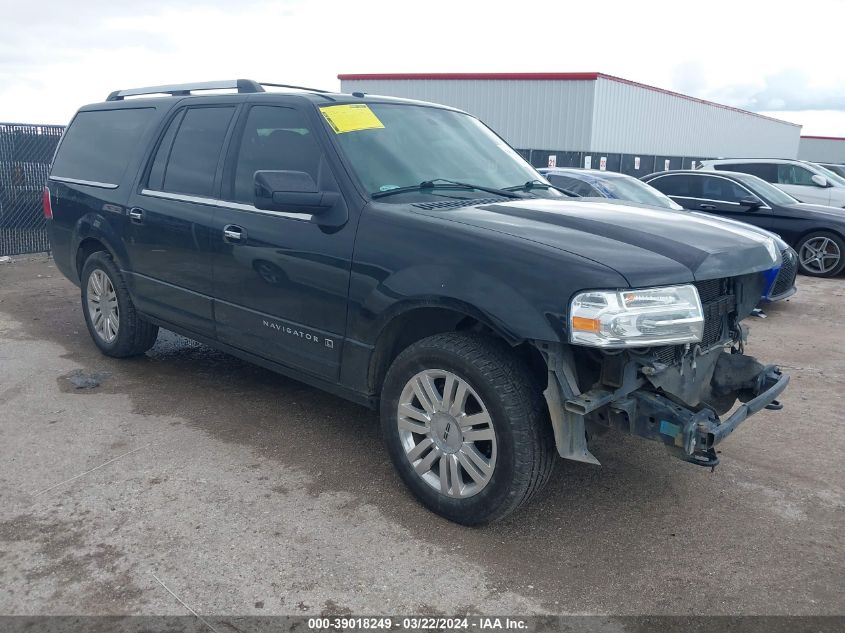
(586, 189)
(156, 179)
(274, 138)
(794, 175)
(561, 181)
(681, 185)
(721, 189)
(572, 184)
(766, 171)
(186, 161)
(99, 143)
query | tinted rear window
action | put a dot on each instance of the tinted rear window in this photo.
(766, 171)
(98, 144)
(681, 185)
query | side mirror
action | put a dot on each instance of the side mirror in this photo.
(820, 180)
(292, 191)
(752, 202)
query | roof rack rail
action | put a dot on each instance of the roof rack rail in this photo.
(267, 83)
(183, 90)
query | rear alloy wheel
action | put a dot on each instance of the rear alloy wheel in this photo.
(110, 315)
(466, 427)
(821, 254)
(103, 309)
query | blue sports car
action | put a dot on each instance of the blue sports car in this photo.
(606, 186)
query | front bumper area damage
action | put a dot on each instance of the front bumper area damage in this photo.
(679, 405)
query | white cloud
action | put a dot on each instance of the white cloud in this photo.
(740, 53)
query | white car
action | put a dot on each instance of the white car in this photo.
(806, 181)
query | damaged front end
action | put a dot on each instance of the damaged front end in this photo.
(674, 394)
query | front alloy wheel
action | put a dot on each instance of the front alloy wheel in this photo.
(447, 433)
(466, 426)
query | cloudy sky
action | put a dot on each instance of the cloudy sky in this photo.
(781, 58)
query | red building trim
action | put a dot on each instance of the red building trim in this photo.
(826, 138)
(480, 76)
(546, 77)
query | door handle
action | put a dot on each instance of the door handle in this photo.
(233, 233)
(707, 207)
(136, 214)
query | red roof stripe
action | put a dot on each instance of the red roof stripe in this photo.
(480, 76)
(826, 138)
(546, 77)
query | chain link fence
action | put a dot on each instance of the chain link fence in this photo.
(25, 155)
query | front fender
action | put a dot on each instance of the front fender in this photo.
(484, 297)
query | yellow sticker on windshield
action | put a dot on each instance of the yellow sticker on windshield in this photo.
(351, 117)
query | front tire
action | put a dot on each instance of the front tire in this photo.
(466, 427)
(110, 315)
(821, 254)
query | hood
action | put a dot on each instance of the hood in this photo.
(781, 244)
(832, 212)
(647, 246)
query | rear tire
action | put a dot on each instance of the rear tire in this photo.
(821, 254)
(466, 427)
(110, 315)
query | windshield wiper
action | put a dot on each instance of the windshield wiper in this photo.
(531, 184)
(449, 184)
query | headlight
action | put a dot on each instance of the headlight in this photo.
(636, 318)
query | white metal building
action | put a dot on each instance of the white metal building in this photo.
(822, 149)
(593, 112)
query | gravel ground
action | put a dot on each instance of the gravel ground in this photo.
(246, 493)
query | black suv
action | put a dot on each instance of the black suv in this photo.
(403, 256)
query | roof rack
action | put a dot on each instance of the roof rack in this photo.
(184, 90)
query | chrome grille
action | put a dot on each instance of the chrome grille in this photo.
(717, 302)
(786, 275)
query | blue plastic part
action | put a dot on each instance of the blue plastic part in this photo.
(667, 428)
(770, 276)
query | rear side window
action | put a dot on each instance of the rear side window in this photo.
(186, 160)
(99, 143)
(681, 185)
(766, 171)
(573, 184)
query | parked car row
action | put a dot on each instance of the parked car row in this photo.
(402, 255)
(816, 232)
(614, 187)
(803, 180)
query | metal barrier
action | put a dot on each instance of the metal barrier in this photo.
(25, 154)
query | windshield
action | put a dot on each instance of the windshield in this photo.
(836, 169)
(626, 188)
(405, 145)
(765, 190)
(831, 175)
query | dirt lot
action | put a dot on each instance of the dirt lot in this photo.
(243, 492)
